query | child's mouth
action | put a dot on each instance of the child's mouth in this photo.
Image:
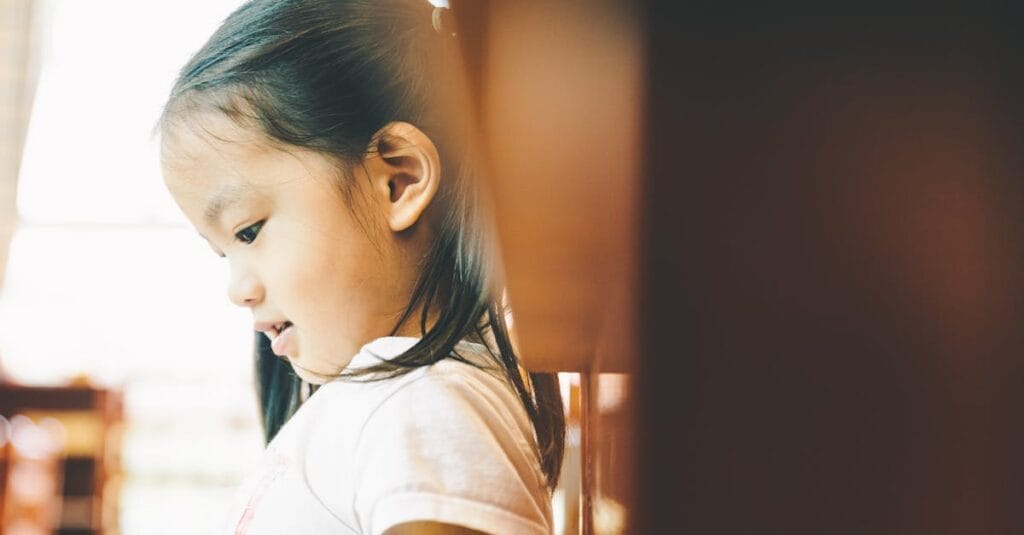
(281, 338)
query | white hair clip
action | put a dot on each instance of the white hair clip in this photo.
(442, 18)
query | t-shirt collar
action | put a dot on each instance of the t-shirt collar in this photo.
(389, 347)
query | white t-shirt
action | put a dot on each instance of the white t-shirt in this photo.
(445, 443)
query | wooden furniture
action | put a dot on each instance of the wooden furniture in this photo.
(556, 95)
(92, 422)
(32, 458)
(797, 232)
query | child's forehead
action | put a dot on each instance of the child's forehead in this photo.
(207, 135)
(205, 154)
(207, 161)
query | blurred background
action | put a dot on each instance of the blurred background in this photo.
(113, 316)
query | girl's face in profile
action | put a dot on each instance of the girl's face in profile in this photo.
(315, 282)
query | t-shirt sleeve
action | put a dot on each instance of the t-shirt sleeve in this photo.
(447, 449)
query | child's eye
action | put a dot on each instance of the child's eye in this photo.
(248, 234)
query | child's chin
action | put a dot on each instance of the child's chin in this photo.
(310, 376)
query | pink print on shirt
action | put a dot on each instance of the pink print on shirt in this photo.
(273, 466)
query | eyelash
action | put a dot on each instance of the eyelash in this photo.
(254, 228)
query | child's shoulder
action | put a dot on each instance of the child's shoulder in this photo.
(465, 398)
(452, 437)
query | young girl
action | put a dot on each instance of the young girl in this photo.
(310, 143)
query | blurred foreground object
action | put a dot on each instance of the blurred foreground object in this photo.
(796, 234)
(557, 94)
(71, 481)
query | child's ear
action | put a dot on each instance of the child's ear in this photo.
(404, 169)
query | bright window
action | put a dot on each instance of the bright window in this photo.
(105, 278)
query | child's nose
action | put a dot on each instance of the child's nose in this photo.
(244, 289)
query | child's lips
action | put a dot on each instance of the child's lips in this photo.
(270, 328)
(281, 342)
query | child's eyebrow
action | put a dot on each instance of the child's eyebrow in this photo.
(222, 200)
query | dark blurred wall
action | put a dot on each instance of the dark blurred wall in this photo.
(830, 330)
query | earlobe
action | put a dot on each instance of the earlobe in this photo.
(406, 173)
